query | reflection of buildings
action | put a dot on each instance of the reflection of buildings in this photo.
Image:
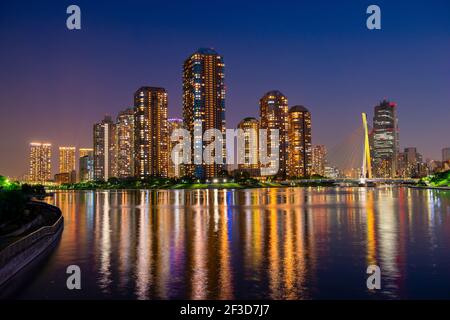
(224, 259)
(371, 231)
(257, 243)
(104, 233)
(204, 101)
(199, 255)
(175, 170)
(125, 143)
(151, 133)
(125, 235)
(388, 236)
(144, 245)
(385, 140)
(40, 162)
(299, 142)
(319, 154)
(274, 116)
(248, 152)
(104, 149)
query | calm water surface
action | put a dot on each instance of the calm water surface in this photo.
(287, 243)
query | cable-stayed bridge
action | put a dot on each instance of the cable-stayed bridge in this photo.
(353, 159)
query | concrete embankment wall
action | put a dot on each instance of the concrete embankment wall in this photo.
(17, 255)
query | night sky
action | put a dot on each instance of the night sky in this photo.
(56, 83)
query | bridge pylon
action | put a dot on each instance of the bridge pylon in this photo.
(367, 162)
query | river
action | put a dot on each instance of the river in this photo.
(274, 243)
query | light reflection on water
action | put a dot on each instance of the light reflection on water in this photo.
(277, 243)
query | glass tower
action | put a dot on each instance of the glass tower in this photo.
(204, 103)
(385, 140)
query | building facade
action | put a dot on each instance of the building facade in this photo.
(86, 164)
(445, 154)
(408, 164)
(104, 149)
(125, 143)
(174, 170)
(150, 132)
(319, 155)
(274, 116)
(385, 140)
(66, 159)
(299, 142)
(65, 177)
(204, 103)
(248, 152)
(40, 162)
(85, 152)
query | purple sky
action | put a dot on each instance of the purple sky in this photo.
(56, 83)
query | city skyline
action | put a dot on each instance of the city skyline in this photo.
(415, 80)
(131, 132)
(126, 148)
(137, 144)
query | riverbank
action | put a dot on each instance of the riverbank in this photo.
(18, 215)
(194, 186)
(21, 247)
(430, 188)
(37, 215)
(188, 184)
(440, 181)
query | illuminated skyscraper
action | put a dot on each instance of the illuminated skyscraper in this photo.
(385, 140)
(274, 115)
(125, 143)
(250, 151)
(445, 154)
(319, 154)
(174, 170)
(150, 132)
(410, 162)
(40, 162)
(299, 142)
(85, 152)
(104, 149)
(86, 164)
(66, 159)
(204, 100)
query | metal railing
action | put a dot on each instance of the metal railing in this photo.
(26, 242)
